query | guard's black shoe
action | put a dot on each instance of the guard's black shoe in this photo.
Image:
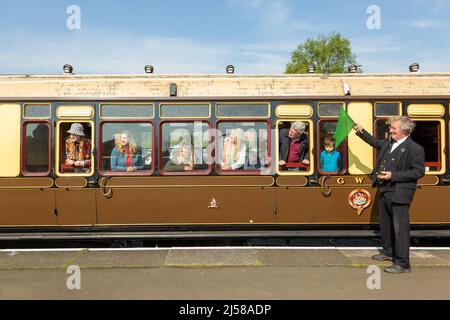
(395, 268)
(381, 257)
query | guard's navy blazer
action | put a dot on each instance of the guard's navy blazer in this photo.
(410, 166)
(285, 144)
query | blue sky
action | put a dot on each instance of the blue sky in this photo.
(203, 36)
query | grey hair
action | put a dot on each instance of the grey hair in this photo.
(298, 126)
(406, 125)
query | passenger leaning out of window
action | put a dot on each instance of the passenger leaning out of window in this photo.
(294, 148)
(78, 148)
(182, 160)
(234, 150)
(125, 156)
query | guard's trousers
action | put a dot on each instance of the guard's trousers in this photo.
(395, 229)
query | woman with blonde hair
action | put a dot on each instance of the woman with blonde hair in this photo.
(125, 156)
(182, 161)
(234, 150)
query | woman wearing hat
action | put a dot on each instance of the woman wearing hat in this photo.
(78, 148)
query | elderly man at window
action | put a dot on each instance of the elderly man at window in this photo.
(294, 147)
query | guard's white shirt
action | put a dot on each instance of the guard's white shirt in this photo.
(397, 143)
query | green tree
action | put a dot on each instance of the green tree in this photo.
(331, 54)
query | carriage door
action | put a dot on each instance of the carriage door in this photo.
(295, 200)
(26, 197)
(74, 165)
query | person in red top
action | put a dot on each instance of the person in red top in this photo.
(125, 156)
(294, 147)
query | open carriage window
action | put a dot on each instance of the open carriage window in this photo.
(294, 142)
(429, 135)
(126, 148)
(185, 148)
(242, 147)
(75, 148)
(36, 150)
(331, 160)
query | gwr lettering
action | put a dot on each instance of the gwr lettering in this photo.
(359, 180)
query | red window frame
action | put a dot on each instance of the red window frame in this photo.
(100, 142)
(344, 152)
(24, 148)
(242, 171)
(183, 173)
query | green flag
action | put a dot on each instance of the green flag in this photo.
(344, 126)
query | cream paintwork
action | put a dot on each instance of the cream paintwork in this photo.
(294, 110)
(312, 85)
(360, 154)
(10, 140)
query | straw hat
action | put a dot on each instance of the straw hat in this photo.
(76, 128)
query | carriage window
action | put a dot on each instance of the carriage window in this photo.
(331, 160)
(428, 135)
(248, 110)
(126, 148)
(36, 156)
(185, 148)
(185, 110)
(387, 109)
(141, 111)
(329, 109)
(75, 148)
(41, 111)
(242, 147)
(294, 146)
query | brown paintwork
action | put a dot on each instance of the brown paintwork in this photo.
(23, 183)
(335, 208)
(76, 207)
(292, 181)
(257, 181)
(72, 182)
(187, 206)
(295, 205)
(430, 205)
(27, 208)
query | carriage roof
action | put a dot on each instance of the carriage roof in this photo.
(223, 86)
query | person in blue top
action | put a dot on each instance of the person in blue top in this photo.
(125, 156)
(330, 159)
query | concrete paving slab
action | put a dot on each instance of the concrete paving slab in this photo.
(29, 260)
(444, 255)
(214, 257)
(122, 259)
(294, 257)
(418, 258)
(226, 283)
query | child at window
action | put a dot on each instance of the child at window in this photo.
(330, 159)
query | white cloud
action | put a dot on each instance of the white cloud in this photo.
(424, 24)
(368, 45)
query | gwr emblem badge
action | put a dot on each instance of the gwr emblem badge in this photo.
(359, 199)
(213, 204)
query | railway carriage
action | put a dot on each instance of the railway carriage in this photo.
(38, 189)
